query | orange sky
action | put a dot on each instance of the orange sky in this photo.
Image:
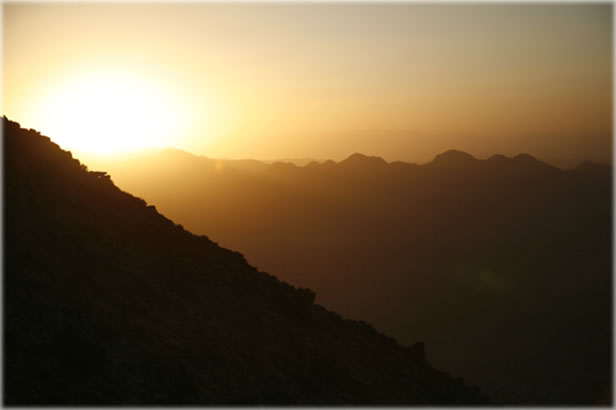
(404, 81)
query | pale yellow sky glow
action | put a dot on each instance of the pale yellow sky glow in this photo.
(404, 81)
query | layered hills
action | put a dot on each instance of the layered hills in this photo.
(108, 302)
(502, 265)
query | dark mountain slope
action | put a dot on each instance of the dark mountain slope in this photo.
(108, 302)
(503, 266)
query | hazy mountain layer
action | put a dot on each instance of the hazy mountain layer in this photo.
(106, 301)
(502, 265)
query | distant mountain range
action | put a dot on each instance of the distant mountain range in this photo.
(503, 265)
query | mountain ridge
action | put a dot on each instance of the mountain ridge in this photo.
(446, 157)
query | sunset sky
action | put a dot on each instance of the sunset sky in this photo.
(404, 81)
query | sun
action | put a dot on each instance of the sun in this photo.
(107, 112)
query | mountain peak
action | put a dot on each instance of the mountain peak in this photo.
(361, 159)
(525, 157)
(591, 167)
(528, 161)
(498, 157)
(454, 157)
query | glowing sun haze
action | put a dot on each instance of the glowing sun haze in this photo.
(117, 111)
(403, 81)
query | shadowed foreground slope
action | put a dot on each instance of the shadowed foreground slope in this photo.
(109, 302)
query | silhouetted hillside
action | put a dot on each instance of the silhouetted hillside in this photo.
(502, 265)
(106, 301)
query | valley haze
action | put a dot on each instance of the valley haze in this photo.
(480, 258)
